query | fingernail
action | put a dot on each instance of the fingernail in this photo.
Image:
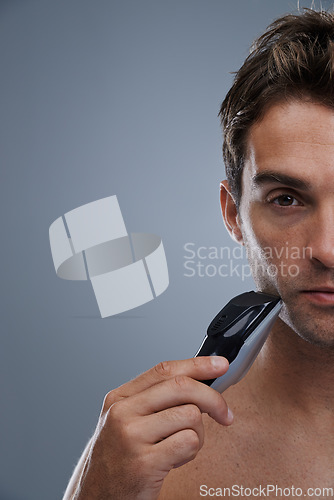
(218, 362)
(230, 416)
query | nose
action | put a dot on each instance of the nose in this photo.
(321, 238)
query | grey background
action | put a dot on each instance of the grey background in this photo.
(98, 98)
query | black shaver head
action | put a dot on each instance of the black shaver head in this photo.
(238, 332)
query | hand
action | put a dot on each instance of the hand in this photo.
(149, 426)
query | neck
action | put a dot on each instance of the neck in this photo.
(292, 372)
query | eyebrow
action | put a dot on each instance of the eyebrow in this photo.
(270, 176)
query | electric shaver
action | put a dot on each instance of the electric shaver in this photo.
(238, 332)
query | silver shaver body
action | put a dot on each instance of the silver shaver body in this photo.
(238, 333)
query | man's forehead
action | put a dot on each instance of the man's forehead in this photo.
(295, 136)
(284, 114)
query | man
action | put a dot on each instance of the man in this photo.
(165, 434)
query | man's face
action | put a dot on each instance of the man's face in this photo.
(287, 214)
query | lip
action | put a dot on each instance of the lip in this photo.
(323, 295)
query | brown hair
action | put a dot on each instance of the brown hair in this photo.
(293, 59)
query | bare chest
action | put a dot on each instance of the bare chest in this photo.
(248, 461)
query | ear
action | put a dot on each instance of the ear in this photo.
(230, 213)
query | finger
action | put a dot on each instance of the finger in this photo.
(158, 426)
(177, 391)
(176, 450)
(200, 368)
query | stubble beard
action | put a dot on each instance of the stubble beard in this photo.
(313, 323)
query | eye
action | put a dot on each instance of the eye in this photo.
(285, 200)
